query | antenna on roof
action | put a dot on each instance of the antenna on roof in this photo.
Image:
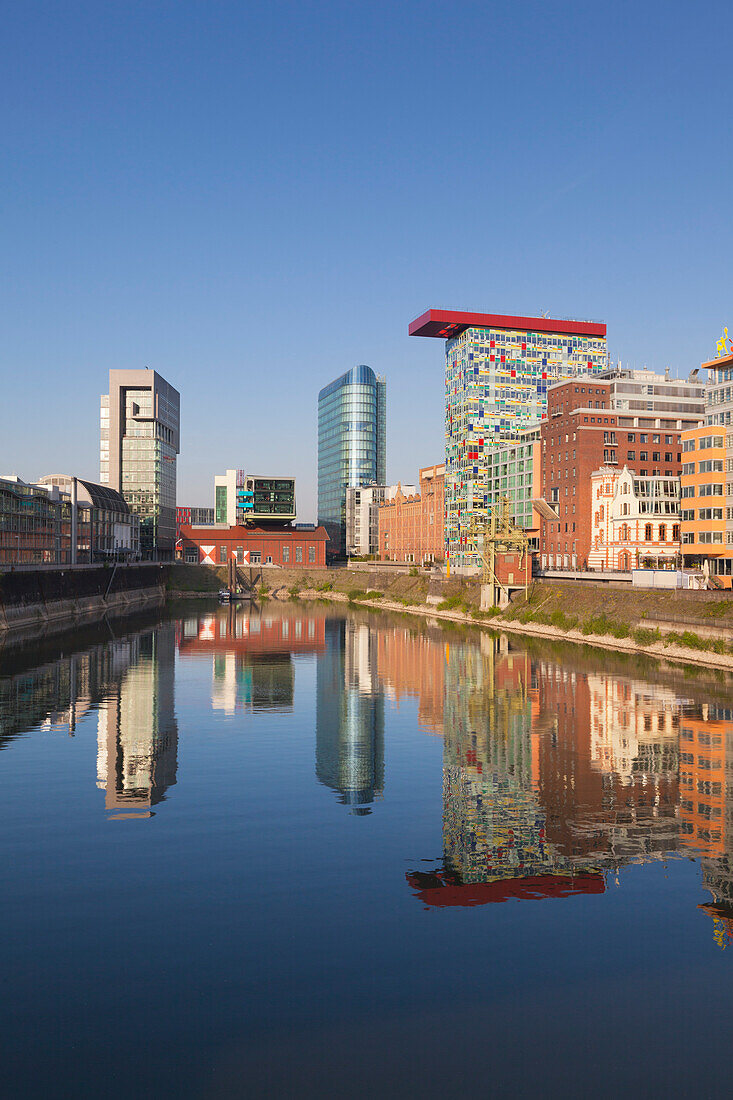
(544, 313)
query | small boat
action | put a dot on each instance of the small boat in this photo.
(224, 595)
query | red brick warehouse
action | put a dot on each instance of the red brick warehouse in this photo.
(286, 547)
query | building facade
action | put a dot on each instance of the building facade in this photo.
(139, 442)
(352, 448)
(105, 526)
(193, 517)
(635, 521)
(497, 372)
(411, 525)
(242, 498)
(514, 472)
(707, 479)
(35, 524)
(39, 522)
(287, 547)
(362, 516)
(590, 424)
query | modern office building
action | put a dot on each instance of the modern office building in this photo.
(412, 523)
(617, 418)
(497, 372)
(514, 474)
(352, 449)
(139, 441)
(105, 526)
(39, 522)
(362, 516)
(35, 523)
(241, 498)
(707, 479)
(196, 517)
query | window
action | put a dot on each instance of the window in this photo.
(223, 555)
(643, 456)
(648, 532)
(662, 532)
(630, 438)
(656, 456)
(298, 553)
(268, 559)
(311, 554)
(688, 468)
(286, 554)
(631, 456)
(256, 557)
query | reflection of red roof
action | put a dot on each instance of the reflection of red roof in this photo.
(447, 323)
(435, 888)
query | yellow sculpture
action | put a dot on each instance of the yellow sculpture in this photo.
(721, 347)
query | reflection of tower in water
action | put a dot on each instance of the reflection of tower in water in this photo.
(350, 716)
(494, 828)
(137, 733)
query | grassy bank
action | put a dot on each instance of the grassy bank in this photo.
(563, 615)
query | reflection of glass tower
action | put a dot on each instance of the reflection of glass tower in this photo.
(350, 716)
(137, 733)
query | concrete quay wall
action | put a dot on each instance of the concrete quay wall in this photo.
(46, 600)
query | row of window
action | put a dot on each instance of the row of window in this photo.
(255, 556)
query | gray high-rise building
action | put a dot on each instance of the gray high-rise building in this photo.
(352, 446)
(139, 441)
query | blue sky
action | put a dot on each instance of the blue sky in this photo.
(253, 197)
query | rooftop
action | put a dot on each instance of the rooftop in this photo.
(446, 324)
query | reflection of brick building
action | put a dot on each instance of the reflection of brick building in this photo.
(412, 528)
(594, 724)
(237, 629)
(410, 662)
(252, 667)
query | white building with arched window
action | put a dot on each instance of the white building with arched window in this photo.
(635, 521)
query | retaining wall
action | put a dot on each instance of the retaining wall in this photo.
(46, 600)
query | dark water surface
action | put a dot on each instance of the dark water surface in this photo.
(290, 853)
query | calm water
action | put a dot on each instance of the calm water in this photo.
(290, 853)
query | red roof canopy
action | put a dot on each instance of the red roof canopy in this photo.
(445, 324)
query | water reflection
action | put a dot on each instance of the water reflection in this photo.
(350, 715)
(252, 653)
(137, 732)
(558, 771)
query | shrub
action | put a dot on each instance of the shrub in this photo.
(644, 636)
(413, 570)
(450, 603)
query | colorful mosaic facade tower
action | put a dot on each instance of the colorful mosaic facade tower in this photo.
(497, 370)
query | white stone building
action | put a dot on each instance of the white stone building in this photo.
(635, 521)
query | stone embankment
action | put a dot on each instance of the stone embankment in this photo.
(44, 601)
(689, 628)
